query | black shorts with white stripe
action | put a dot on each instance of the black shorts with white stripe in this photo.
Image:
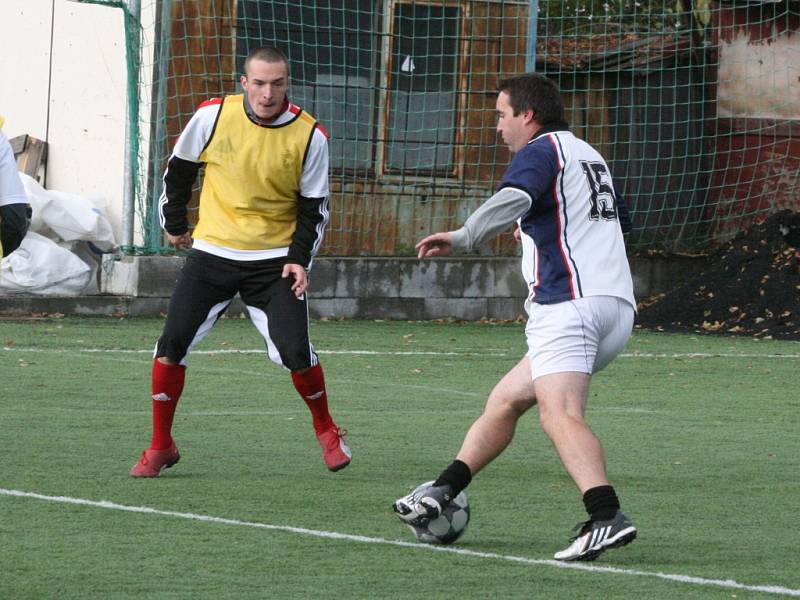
(205, 288)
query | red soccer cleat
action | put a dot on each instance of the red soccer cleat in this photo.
(154, 461)
(335, 452)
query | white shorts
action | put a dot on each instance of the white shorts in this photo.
(582, 335)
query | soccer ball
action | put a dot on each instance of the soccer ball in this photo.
(447, 527)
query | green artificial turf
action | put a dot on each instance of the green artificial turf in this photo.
(700, 434)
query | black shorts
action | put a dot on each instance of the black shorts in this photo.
(206, 287)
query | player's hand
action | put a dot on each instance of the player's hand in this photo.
(300, 278)
(518, 234)
(437, 244)
(181, 242)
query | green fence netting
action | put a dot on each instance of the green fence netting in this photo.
(694, 104)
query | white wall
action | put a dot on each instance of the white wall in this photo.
(87, 95)
(759, 79)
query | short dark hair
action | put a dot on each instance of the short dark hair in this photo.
(534, 91)
(269, 54)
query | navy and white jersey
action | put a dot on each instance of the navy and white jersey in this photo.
(571, 235)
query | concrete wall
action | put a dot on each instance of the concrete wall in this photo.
(759, 72)
(353, 288)
(407, 288)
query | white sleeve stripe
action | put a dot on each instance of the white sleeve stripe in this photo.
(323, 209)
(162, 201)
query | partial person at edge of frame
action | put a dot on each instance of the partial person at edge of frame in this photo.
(15, 211)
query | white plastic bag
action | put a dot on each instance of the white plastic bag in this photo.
(69, 216)
(41, 267)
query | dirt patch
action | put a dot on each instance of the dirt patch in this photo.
(750, 287)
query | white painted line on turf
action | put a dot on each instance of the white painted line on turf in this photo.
(272, 375)
(702, 581)
(250, 351)
(625, 409)
(702, 355)
(394, 353)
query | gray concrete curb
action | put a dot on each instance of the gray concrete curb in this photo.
(352, 288)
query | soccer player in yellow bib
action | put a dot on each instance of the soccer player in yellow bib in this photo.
(263, 211)
(14, 208)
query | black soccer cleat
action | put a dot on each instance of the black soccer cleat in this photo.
(426, 502)
(595, 537)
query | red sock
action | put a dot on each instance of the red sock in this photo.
(167, 387)
(311, 386)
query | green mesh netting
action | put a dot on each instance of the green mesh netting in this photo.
(695, 109)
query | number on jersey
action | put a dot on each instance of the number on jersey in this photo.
(602, 202)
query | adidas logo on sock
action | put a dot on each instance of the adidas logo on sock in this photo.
(161, 397)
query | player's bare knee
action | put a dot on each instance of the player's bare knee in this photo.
(554, 420)
(507, 405)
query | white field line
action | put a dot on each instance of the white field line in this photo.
(250, 351)
(703, 355)
(269, 374)
(272, 375)
(333, 535)
(393, 353)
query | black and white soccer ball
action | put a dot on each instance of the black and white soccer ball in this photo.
(447, 527)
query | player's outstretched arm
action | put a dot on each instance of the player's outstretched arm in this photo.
(437, 244)
(490, 219)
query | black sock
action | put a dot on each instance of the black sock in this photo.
(457, 476)
(601, 503)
